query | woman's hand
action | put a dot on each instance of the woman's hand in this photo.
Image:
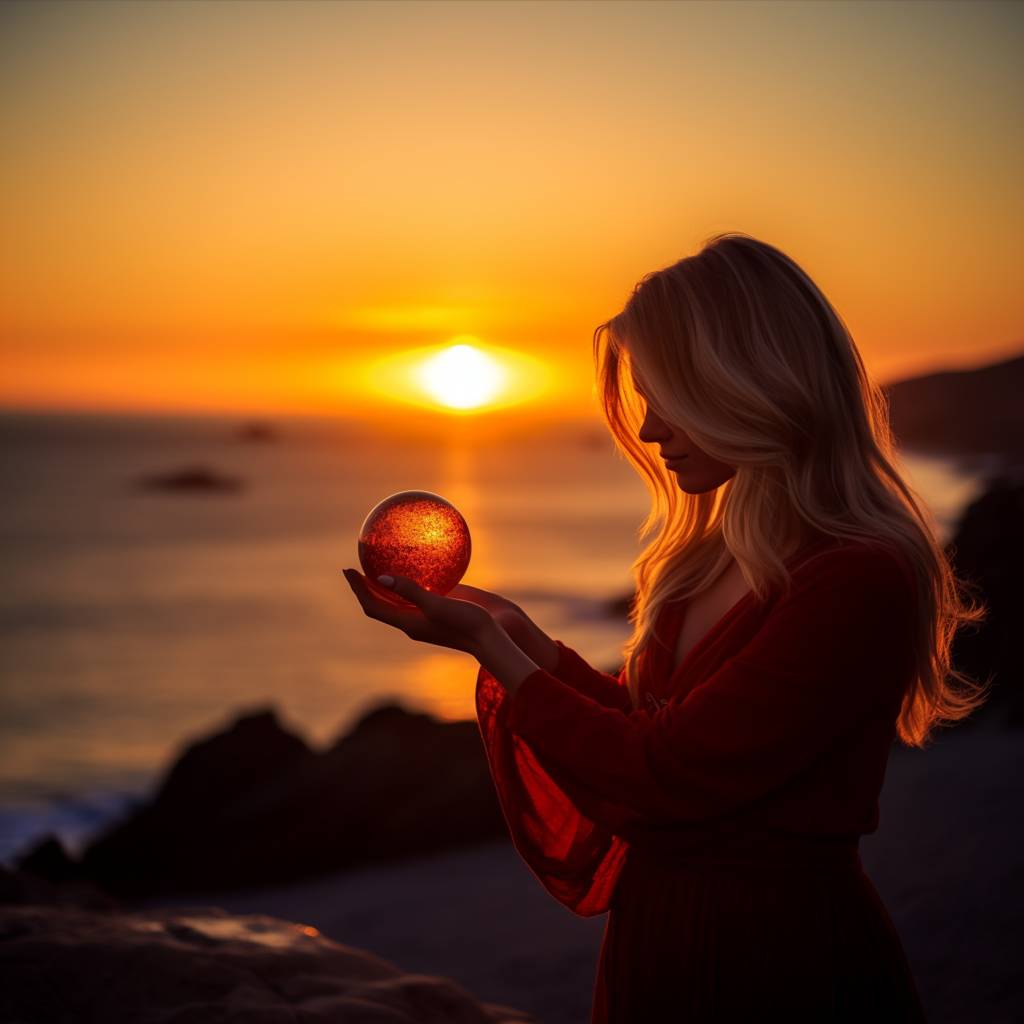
(525, 633)
(444, 621)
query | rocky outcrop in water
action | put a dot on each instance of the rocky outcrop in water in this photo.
(254, 804)
(191, 479)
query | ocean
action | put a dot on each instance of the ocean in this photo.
(135, 620)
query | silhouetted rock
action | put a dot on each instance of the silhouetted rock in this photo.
(48, 859)
(47, 875)
(233, 766)
(619, 607)
(987, 550)
(204, 966)
(198, 479)
(257, 431)
(254, 804)
(596, 438)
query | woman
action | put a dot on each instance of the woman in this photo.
(793, 616)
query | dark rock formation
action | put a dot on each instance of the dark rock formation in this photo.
(254, 804)
(257, 431)
(987, 550)
(192, 479)
(620, 607)
(48, 859)
(26, 886)
(64, 965)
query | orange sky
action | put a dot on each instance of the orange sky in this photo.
(233, 206)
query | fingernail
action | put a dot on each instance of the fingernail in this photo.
(388, 581)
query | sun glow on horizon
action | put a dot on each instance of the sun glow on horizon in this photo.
(463, 376)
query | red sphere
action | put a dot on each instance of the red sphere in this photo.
(417, 534)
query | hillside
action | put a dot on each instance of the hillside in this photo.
(962, 411)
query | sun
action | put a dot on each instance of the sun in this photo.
(464, 376)
(461, 377)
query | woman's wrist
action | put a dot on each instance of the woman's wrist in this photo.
(542, 648)
(503, 657)
(537, 644)
(532, 640)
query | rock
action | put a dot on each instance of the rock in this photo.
(203, 966)
(254, 805)
(192, 479)
(597, 439)
(987, 549)
(620, 607)
(248, 758)
(206, 821)
(257, 431)
(48, 859)
(27, 885)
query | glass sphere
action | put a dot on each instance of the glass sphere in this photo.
(417, 534)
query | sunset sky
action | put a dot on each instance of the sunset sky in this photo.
(243, 206)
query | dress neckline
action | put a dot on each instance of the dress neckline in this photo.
(675, 614)
(675, 618)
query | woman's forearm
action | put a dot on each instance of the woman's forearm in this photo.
(504, 658)
(539, 646)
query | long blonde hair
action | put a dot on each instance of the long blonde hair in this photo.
(737, 346)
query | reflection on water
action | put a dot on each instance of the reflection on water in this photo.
(439, 678)
(945, 486)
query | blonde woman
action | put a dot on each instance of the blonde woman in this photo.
(793, 616)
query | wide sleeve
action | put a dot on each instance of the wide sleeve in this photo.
(606, 689)
(576, 859)
(833, 650)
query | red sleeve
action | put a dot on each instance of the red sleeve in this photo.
(576, 859)
(609, 690)
(834, 650)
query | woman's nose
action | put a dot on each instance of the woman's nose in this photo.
(653, 428)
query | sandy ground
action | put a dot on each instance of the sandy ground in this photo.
(948, 859)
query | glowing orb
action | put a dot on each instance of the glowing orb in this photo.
(416, 534)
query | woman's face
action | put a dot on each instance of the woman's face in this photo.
(695, 470)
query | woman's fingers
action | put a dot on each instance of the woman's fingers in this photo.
(377, 607)
(432, 618)
(410, 590)
(492, 602)
(465, 590)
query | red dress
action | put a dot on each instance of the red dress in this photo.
(718, 824)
